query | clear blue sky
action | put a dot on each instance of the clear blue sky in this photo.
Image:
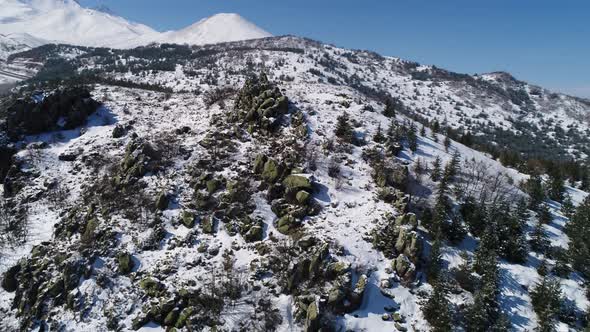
(540, 41)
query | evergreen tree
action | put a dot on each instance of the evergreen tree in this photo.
(522, 212)
(534, 187)
(389, 110)
(447, 143)
(412, 138)
(435, 260)
(463, 274)
(545, 214)
(344, 129)
(484, 313)
(420, 168)
(546, 298)
(556, 186)
(423, 131)
(436, 169)
(539, 239)
(379, 137)
(567, 207)
(485, 258)
(437, 309)
(452, 167)
(578, 231)
(543, 269)
(474, 215)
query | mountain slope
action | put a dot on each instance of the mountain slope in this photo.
(65, 21)
(68, 22)
(184, 201)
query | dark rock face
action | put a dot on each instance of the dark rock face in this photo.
(63, 109)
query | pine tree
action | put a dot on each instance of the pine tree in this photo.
(474, 215)
(539, 239)
(543, 268)
(435, 260)
(452, 167)
(412, 138)
(423, 131)
(437, 309)
(379, 137)
(546, 298)
(436, 169)
(484, 313)
(447, 143)
(545, 214)
(578, 231)
(567, 207)
(344, 129)
(485, 255)
(556, 186)
(419, 168)
(463, 274)
(389, 110)
(534, 187)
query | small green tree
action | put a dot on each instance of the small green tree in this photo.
(379, 137)
(447, 143)
(437, 309)
(344, 129)
(436, 169)
(546, 298)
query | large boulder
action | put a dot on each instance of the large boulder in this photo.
(272, 171)
(125, 263)
(298, 182)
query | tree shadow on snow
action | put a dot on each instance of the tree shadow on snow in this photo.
(102, 117)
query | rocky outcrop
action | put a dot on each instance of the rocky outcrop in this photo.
(259, 106)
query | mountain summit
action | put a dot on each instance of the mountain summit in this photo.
(218, 28)
(66, 21)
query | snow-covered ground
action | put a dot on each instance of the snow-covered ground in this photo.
(350, 208)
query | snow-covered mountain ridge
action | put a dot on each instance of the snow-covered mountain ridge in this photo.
(282, 184)
(57, 21)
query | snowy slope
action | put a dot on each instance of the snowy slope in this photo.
(66, 21)
(215, 29)
(351, 210)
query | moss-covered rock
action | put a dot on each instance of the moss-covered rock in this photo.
(187, 218)
(312, 320)
(151, 287)
(162, 201)
(208, 225)
(272, 171)
(184, 316)
(286, 224)
(298, 182)
(259, 163)
(254, 234)
(125, 263)
(10, 280)
(303, 197)
(213, 185)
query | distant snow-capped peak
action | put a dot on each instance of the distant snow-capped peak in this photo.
(66, 21)
(224, 27)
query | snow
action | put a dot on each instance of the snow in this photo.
(350, 208)
(31, 23)
(215, 29)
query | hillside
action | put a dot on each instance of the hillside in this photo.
(284, 184)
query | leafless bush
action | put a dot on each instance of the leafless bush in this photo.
(487, 186)
(218, 94)
(14, 225)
